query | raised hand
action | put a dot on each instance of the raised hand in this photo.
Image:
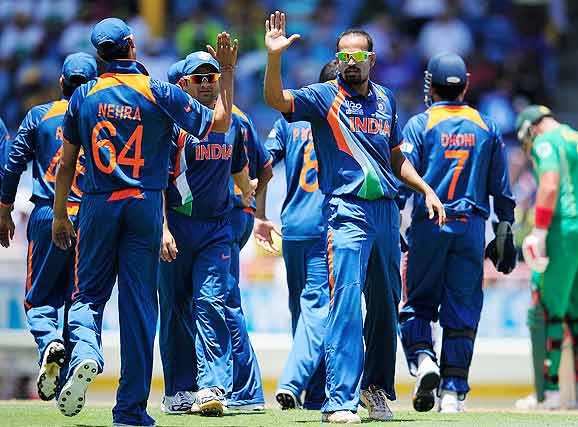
(6, 226)
(226, 53)
(275, 37)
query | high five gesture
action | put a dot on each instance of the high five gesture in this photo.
(276, 39)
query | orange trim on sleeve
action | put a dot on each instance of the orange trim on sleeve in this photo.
(125, 194)
(58, 108)
(398, 146)
(330, 264)
(180, 146)
(249, 211)
(210, 127)
(292, 101)
(269, 163)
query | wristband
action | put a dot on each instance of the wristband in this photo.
(543, 217)
(6, 205)
(227, 68)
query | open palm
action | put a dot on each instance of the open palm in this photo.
(275, 37)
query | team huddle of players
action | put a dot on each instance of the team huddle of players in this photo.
(126, 167)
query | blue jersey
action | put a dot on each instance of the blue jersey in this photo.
(124, 120)
(4, 144)
(257, 155)
(301, 215)
(39, 140)
(354, 137)
(200, 171)
(460, 154)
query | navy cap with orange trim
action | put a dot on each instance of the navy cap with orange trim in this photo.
(81, 65)
(110, 36)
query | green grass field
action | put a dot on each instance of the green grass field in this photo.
(32, 414)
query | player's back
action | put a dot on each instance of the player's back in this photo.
(459, 154)
(39, 140)
(301, 214)
(123, 129)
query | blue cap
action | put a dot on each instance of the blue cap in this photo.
(80, 65)
(176, 71)
(196, 59)
(447, 69)
(110, 35)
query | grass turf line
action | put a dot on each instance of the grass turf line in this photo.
(40, 414)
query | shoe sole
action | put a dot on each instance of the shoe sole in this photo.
(48, 379)
(424, 399)
(286, 401)
(214, 408)
(72, 397)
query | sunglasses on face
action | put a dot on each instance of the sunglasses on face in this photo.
(360, 56)
(203, 78)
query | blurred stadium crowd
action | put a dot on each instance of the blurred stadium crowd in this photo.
(512, 48)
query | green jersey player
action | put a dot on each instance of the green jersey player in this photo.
(551, 249)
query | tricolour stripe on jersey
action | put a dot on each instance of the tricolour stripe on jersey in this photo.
(137, 82)
(181, 170)
(439, 113)
(371, 187)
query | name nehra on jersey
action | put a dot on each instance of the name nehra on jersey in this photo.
(122, 112)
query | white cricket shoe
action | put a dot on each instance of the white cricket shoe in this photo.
(48, 379)
(73, 394)
(247, 407)
(449, 403)
(181, 403)
(551, 401)
(375, 401)
(209, 402)
(341, 417)
(287, 399)
(528, 403)
(428, 380)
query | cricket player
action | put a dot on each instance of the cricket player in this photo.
(459, 153)
(4, 147)
(247, 388)
(50, 272)
(305, 256)
(356, 140)
(194, 337)
(551, 247)
(123, 121)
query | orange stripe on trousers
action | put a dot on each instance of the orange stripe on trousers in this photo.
(28, 274)
(330, 264)
(76, 266)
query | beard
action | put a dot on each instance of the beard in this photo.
(353, 75)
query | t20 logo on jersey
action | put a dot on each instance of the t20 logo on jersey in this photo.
(352, 107)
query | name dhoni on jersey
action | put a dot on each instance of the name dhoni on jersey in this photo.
(122, 112)
(369, 125)
(458, 140)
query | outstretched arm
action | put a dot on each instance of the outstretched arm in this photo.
(404, 171)
(226, 54)
(276, 43)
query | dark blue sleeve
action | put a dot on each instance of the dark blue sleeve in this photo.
(307, 103)
(185, 111)
(21, 152)
(275, 143)
(412, 148)
(4, 143)
(412, 145)
(499, 181)
(239, 154)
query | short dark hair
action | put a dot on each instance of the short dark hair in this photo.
(118, 54)
(328, 72)
(448, 93)
(359, 32)
(69, 88)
